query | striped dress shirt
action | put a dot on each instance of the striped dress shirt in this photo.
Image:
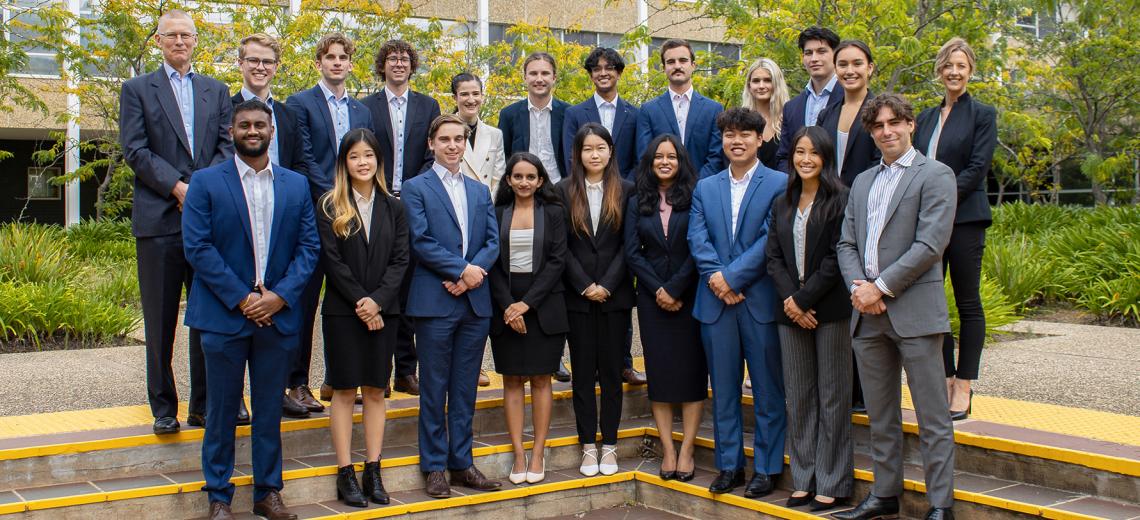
(882, 189)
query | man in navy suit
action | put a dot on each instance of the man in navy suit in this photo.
(172, 121)
(401, 117)
(736, 303)
(324, 114)
(535, 124)
(683, 112)
(248, 281)
(455, 240)
(817, 49)
(258, 57)
(605, 107)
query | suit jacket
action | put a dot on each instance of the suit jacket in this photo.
(514, 121)
(823, 288)
(741, 259)
(222, 254)
(485, 162)
(316, 126)
(422, 110)
(437, 245)
(861, 152)
(656, 259)
(702, 137)
(549, 260)
(156, 148)
(357, 266)
(293, 152)
(624, 134)
(966, 145)
(794, 120)
(919, 220)
(597, 258)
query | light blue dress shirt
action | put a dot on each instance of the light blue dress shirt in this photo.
(338, 108)
(183, 86)
(817, 102)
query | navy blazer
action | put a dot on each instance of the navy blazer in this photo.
(293, 152)
(793, 121)
(222, 254)
(624, 134)
(514, 122)
(702, 137)
(155, 144)
(422, 110)
(861, 152)
(437, 245)
(316, 125)
(742, 258)
(659, 260)
(966, 145)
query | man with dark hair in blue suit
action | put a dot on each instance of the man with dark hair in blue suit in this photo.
(172, 122)
(246, 299)
(817, 52)
(605, 107)
(736, 303)
(455, 240)
(683, 112)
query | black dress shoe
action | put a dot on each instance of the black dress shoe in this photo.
(348, 489)
(940, 513)
(437, 485)
(872, 508)
(800, 501)
(760, 485)
(373, 484)
(292, 408)
(667, 475)
(562, 375)
(243, 414)
(816, 505)
(166, 425)
(196, 419)
(727, 481)
(685, 476)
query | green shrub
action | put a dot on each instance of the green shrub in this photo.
(999, 311)
(1030, 219)
(1018, 268)
(102, 239)
(33, 253)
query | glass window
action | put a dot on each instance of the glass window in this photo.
(586, 38)
(39, 183)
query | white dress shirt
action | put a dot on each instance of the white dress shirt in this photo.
(681, 109)
(258, 189)
(364, 207)
(737, 188)
(799, 237)
(540, 140)
(398, 113)
(457, 192)
(338, 108)
(595, 192)
(247, 95)
(882, 189)
(183, 86)
(607, 110)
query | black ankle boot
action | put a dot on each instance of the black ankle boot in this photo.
(373, 484)
(348, 489)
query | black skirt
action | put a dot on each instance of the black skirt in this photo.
(355, 356)
(675, 362)
(535, 353)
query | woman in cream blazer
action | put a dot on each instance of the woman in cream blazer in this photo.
(484, 159)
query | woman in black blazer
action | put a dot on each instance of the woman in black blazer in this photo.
(815, 334)
(529, 327)
(962, 134)
(599, 291)
(657, 251)
(854, 66)
(364, 252)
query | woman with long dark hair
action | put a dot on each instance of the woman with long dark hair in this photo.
(855, 150)
(364, 250)
(529, 327)
(599, 291)
(815, 335)
(657, 251)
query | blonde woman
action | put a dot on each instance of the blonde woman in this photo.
(766, 92)
(364, 251)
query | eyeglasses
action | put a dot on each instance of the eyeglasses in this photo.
(170, 36)
(398, 59)
(603, 68)
(259, 62)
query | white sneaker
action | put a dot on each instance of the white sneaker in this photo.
(589, 466)
(609, 460)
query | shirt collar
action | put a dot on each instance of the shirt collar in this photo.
(392, 95)
(599, 100)
(688, 94)
(329, 93)
(747, 176)
(443, 172)
(170, 71)
(594, 185)
(361, 199)
(247, 95)
(531, 107)
(827, 89)
(904, 161)
(244, 169)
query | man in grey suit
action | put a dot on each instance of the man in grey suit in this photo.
(172, 122)
(897, 223)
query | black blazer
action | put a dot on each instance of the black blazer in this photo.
(292, 152)
(966, 145)
(793, 121)
(861, 152)
(545, 294)
(823, 288)
(422, 110)
(514, 122)
(597, 258)
(356, 268)
(658, 261)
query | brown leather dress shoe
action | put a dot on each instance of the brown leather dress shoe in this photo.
(326, 393)
(272, 508)
(474, 479)
(437, 485)
(220, 511)
(408, 385)
(633, 377)
(293, 409)
(303, 395)
(484, 379)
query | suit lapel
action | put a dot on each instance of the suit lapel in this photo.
(539, 235)
(323, 106)
(436, 185)
(165, 94)
(280, 200)
(691, 117)
(202, 110)
(476, 155)
(472, 193)
(385, 117)
(237, 193)
(908, 175)
(666, 107)
(725, 188)
(505, 237)
(619, 116)
(524, 124)
(758, 178)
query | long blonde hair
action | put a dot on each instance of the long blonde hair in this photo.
(337, 204)
(779, 92)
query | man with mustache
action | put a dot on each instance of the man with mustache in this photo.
(247, 300)
(683, 112)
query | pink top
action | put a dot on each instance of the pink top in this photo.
(666, 211)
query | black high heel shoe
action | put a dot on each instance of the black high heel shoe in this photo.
(816, 505)
(801, 501)
(958, 416)
(373, 484)
(348, 489)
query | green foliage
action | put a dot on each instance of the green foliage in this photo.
(110, 239)
(1017, 267)
(999, 311)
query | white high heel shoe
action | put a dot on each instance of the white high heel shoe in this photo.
(535, 478)
(609, 460)
(519, 478)
(589, 465)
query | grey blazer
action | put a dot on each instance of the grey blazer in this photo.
(919, 220)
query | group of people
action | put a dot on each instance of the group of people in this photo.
(805, 239)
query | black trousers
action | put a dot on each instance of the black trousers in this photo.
(310, 302)
(963, 256)
(597, 350)
(163, 272)
(404, 358)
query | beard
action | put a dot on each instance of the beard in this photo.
(251, 151)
